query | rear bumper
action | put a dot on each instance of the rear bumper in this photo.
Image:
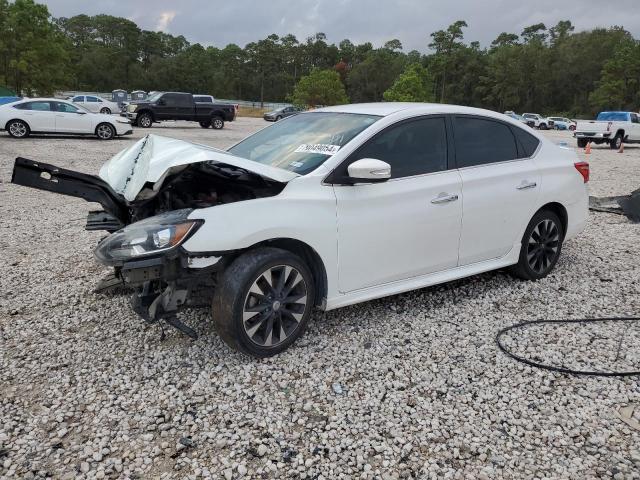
(578, 215)
(603, 135)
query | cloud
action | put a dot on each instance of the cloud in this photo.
(165, 19)
(220, 22)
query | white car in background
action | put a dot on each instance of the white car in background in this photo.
(96, 104)
(325, 209)
(51, 115)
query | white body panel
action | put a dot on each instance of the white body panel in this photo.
(385, 238)
(496, 207)
(405, 234)
(68, 122)
(607, 130)
(60, 122)
(95, 104)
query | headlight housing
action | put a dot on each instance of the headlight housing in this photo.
(131, 108)
(150, 236)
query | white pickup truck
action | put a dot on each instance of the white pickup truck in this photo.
(613, 128)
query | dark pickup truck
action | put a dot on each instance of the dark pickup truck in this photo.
(178, 106)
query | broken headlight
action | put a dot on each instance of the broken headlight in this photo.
(150, 236)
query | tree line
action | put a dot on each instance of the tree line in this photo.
(541, 69)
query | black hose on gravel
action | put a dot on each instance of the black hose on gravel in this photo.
(563, 369)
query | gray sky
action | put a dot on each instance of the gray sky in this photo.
(219, 22)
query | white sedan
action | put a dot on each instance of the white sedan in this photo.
(96, 104)
(326, 209)
(51, 115)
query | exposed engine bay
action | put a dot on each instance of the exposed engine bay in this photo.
(203, 185)
(144, 188)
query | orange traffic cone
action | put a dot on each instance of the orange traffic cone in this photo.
(587, 149)
(621, 149)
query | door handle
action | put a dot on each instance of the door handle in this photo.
(526, 185)
(444, 198)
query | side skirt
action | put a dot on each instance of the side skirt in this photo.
(416, 283)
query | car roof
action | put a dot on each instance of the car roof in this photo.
(389, 108)
(44, 99)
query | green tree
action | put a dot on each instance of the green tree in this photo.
(413, 85)
(619, 86)
(320, 87)
(33, 52)
(445, 43)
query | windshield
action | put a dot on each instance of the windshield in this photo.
(301, 143)
(613, 116)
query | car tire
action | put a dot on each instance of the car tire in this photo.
(616, 143)
(105, 131)
(259, 282)
(582, 142)
(541, 246)
(572, 127)
(18, 128)
(144, 120)
(543, 126)
(206, 124)
(217, 123)
(105, 111)
(278, 118)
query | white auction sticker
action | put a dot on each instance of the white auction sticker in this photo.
(325, 149)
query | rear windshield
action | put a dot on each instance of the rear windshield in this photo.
(613, 116)
(302, 143)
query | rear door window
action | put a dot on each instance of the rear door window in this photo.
(38, 106)
(480, 141)
(177, 100)
(528, 143)
(93, 99)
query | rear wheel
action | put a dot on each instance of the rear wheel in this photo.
(582, 142)
(543, 126)
(278, 118)
(616, 143)
(541, 246)
(105, 110)
(205, 124)
(217, 123)
(18, 129)
(263, 302)
(104, 131)
(144, 120)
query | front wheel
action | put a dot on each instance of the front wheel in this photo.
(263, 302)
(616, 143)
(144, 120)
(105, 110)
(543, 126)
(541, 246)
(104, 131)
(217, 123)
(18, 129)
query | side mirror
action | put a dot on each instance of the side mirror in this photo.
(369, 170)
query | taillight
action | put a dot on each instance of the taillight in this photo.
(583, 168)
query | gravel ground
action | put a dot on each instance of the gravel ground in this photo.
(411, 386)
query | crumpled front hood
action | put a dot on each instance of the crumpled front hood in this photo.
(154, 157)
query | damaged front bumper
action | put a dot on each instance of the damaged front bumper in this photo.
(165, 285)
